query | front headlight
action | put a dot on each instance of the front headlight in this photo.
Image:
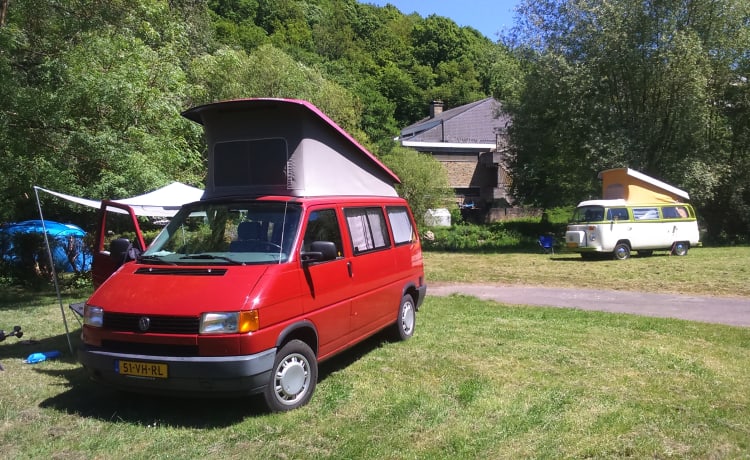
(93, 316)
(229, 322)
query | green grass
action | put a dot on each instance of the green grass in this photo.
(704, 271)
(478, 380)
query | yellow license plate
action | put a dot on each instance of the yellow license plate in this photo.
(143, 369)
(572, 244)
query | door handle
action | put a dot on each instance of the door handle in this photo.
(349, 269)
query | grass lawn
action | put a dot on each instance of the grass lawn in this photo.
(704, 271)
(478, 380)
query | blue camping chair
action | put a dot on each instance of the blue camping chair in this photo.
(547, 243)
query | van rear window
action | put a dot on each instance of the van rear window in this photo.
(401, 224)
(674, 212)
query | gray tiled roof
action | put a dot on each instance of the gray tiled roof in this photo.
(477, 122)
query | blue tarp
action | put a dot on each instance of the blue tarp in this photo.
(66, 241)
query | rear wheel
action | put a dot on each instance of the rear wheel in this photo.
(406, 320)
(295, 374)
(680, 248)
(622, 251)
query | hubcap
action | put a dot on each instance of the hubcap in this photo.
(407, 318)
(292, 379)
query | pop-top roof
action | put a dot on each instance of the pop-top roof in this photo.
(285, 147)
(636, 187)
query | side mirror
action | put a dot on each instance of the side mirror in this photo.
(119, 250)
(320, 251)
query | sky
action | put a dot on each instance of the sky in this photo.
(487, 16)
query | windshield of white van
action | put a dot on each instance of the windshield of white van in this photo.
(588, 214)
(227, 233)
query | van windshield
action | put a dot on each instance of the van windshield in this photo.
(227, 233)
(588, 214)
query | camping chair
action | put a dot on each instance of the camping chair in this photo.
(547, 243)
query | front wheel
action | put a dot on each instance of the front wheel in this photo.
(295, 374)
(622, 251)
(406, 320)
(680, 248)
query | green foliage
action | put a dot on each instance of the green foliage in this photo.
(508, 235)
(424, 182)
(96, 101)
(92, 90)
(656, 86)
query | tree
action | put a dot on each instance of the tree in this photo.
(97, 91)
(270, 72)
(628, 83)
(424, 181)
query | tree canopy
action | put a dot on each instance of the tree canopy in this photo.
(92, 91)
(658, 86)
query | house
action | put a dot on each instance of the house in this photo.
(636, 187)
(471, 142)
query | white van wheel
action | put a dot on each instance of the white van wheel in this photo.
(680, 248)
(406, 320)
(622, 251)
(295, 374)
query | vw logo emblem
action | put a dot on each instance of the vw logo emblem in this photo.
(144, 323)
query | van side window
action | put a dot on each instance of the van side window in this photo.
(674, 212)
(617, 214)
(367, 229)
(401, 224)
(645, 213)
(322, 225)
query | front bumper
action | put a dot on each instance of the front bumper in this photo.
(223, 376)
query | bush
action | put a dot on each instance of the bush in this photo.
(516, 234)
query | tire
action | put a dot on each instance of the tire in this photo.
(680, 248)
(406, 320)
(293, 379)
(622, 251)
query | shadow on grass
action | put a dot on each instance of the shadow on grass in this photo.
(85, 398)
(603, 257)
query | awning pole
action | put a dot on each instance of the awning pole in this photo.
(54, 272)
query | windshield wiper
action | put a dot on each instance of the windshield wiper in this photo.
(154, 260)
(211, 257)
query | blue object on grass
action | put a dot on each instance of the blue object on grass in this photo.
(43, 356)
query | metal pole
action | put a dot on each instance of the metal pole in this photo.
(54, 272)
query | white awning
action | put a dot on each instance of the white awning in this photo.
(163, 202)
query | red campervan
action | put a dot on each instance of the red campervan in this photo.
(299, 248)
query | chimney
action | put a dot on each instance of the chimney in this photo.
(436, 108)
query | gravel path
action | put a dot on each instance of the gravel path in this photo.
(733, 311)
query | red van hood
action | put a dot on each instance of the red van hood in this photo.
(176, 290)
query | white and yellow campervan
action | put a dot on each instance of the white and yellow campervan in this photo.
(617, 227)
(638, 213)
